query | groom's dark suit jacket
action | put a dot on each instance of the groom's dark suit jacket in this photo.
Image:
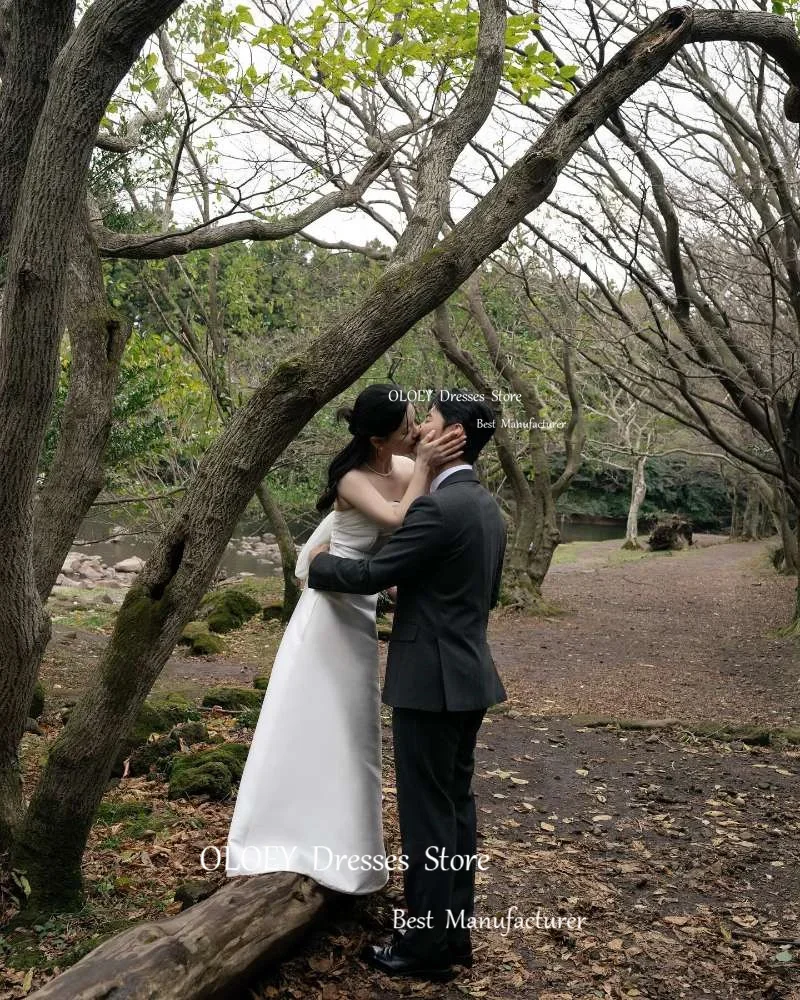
(446, 560)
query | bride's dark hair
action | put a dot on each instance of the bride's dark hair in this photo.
(375, 413)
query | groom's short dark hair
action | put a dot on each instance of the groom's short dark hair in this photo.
(469, 408)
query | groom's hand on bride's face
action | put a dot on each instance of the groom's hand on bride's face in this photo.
(316, 551)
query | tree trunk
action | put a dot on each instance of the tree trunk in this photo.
(736, 529)
(213, 949)
(283, 536)
(77, 473)
(792, 630)
(37, 30)
(101, 51)
(535, 533)
(638, 491)
(547, 536)
(780, 516)
(751, 515)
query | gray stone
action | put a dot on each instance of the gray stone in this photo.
(132, 564)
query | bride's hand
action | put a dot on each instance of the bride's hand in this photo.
(434, 452)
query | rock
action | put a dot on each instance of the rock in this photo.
(132, 564)
(209, 772)
(197, 636)
(153, 756)
(73, 560)
(233, 698)
(231, 755)
(37, 701)
(149, 720)
(227, 609)
(272, 612)
(191, 732)
(32, 726)
(213, 780)
(174, 707)
(195, 891)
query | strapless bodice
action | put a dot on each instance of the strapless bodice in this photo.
(354, 535)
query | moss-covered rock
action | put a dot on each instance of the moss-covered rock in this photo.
(272, 613)
(211, 779)
(153, 756)
(156, 755)
(260, 683)
(209, 772)
(149, 720)
(200, 640)
(227, 609)
(233, 698)
(191, 732)
(37, 701)
(174, 707)
(231, 755)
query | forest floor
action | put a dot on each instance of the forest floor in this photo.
(642, 775)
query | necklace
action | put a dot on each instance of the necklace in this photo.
(384, 474)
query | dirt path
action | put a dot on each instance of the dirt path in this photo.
(686, 635)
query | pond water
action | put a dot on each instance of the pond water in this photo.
(96, 531)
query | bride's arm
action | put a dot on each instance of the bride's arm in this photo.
(356, 489)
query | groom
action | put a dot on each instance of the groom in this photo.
(446, 561)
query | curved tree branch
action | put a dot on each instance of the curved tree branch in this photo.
(159, 246)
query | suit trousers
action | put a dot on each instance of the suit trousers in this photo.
(434, 756)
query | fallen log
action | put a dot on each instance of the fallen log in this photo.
(206, 952)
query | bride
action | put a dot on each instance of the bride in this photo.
(310, 796)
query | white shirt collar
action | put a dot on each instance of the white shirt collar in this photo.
(438, 480)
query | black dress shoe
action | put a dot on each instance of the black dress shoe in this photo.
(393, 963)
(461, 956)
(460, 949)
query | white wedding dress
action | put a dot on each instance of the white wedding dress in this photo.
(310, 796)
